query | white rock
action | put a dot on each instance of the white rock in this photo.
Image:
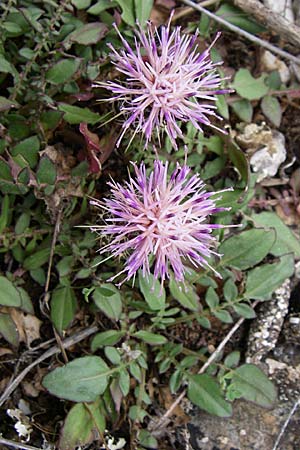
(282, 7)
(270, 62)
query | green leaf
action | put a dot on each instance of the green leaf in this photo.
(249, 87)
(75, 114)
(109, 337)
(81, 380)
(211, 298)
(8, 329)
(37, 259)
(254, 386)
(264, 280)
(243, 109)
(223, 316)
(152, 291)
(46, 172)
(142, 10)
(113, 355)
(9, 295)
(272, 109)
(147, 440)
(124, 382)
(233, 359)
(89, 34)
(128, 13)
(204, 322)
(150, 338)
(29, 149)
(79, 427)
(239, 18)
(5, 212)
(63, 307)
(184, 294)
(286, 240)
(108, 299)
(22, 223)
(205, 392)
(6, 104)
(26, 303)
(238, 158)
(230, 290)
(222, 106)
(244, 310)
(101, 6)
(81, 4)
(247, 249)
(62, 71)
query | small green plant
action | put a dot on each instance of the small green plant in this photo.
(57, 143)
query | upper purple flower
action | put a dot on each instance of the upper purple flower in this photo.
(167, 80)
(160, 222)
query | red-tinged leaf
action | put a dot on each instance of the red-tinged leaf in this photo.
(97, 150)
(92, 148)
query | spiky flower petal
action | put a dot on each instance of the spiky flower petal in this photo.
(161, 222)
(167, 81)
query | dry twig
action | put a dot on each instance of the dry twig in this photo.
(164, 419)
(275, 22)
(244, 33)
(77, 337)
(284, 427)
(15, 444)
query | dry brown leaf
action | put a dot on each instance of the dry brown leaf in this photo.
(28, 326)
(167, 399)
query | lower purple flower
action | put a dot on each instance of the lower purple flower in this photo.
(160, 222)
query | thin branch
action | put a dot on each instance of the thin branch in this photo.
(275, 22)
(164, 419)
(77, 337)
(244, 33)
(15, 444)
(291, 413)
(183, 12)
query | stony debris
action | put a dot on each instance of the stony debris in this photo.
(270, 62)
(265, 147)
(265, 330)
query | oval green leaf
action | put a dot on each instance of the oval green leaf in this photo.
(206, 393)
(254, 385)
(81, 380)
(152, 291)
(247, 249)
(150, 338)
(108, 299)
(9, 295)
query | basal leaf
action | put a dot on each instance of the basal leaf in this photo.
(249, 87)
(286, 240)
(264, 280)
(254, 385)
(81, 380)
(246, 249)
(205, 392)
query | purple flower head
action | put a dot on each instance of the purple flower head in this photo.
(160, 222)
(167, 81)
